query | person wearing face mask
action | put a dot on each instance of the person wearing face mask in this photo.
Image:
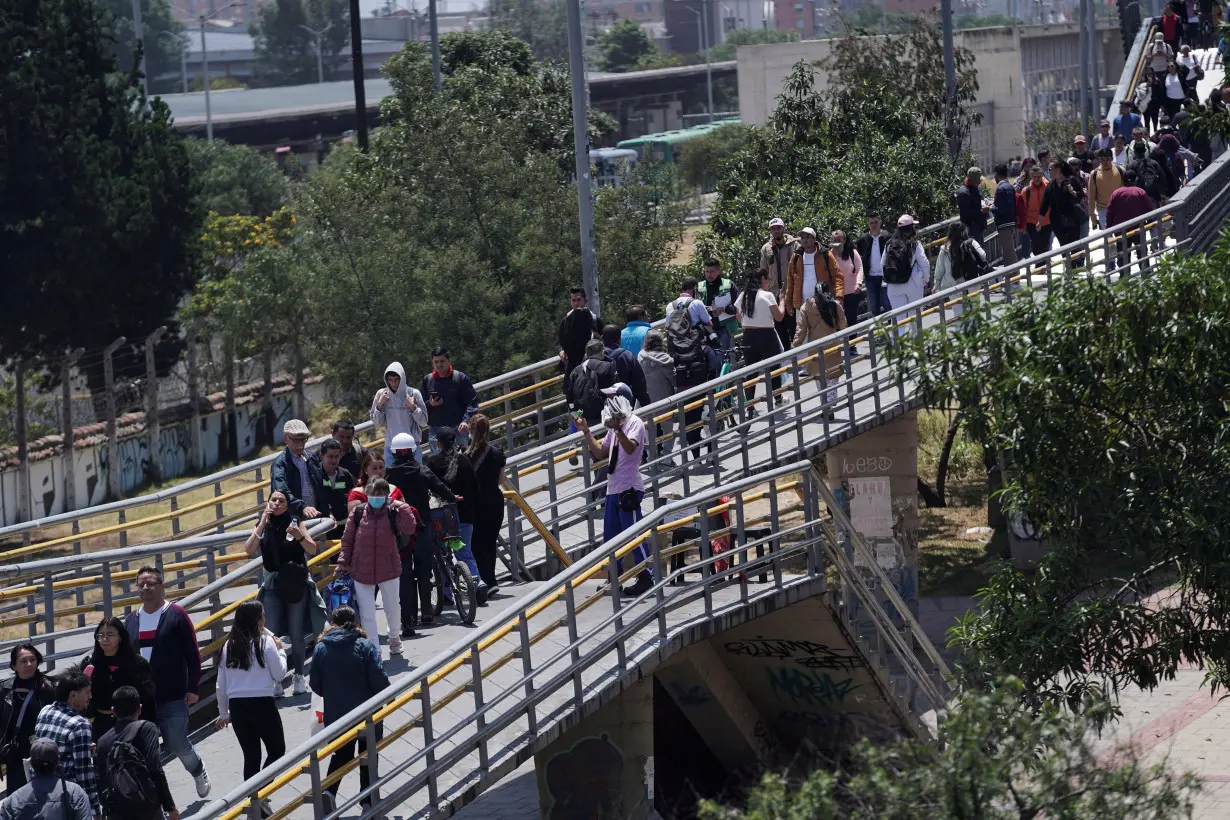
(289, 595)
(22, 697)
(623, 444)
(399, 408)
(371, 557)
(373, 467)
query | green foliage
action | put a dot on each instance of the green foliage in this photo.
(459, 226)
(541, 24)
(701, 159)
(216, 84)
(996, 761)
(162, 52)
(235, 179)
(749, 37)
(624, 45)
(1054, 133)
(1107, 406)
(97, 222)
(870, 18)
(286, 51)
(38, 408)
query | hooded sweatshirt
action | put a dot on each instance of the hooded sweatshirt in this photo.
(659, 370)
(396, 417)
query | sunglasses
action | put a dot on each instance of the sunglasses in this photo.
(299, 439)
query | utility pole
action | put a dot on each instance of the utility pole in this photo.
(23, 447)
(138, 31)
(203, 19)
(704, 5)
(1084, 71)
(580, 142)
(152, 422)
(434, 25)
(1095, 53)
(114, 488)
(66, 428)
(356, 61)
(950, 82)
(320, 51)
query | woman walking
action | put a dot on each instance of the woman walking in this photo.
(822, 316)
(113, 663)
(22, 697)
(760, 309)
(1063, 201)
(851, 267)
(253, 662)
(346, 672)
(370, 555)
(488, 462)
(284, 545)
(453, 468)
(961, 258)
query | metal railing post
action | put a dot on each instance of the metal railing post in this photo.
(476, 665)
(527, 671)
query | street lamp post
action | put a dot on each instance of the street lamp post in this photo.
(702, 24)
(580, 143)
(320, 59)
(209, 117)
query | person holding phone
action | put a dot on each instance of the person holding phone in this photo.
(451, 398)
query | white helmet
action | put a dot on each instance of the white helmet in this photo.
(402, 441)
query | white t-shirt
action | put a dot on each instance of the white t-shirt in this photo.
(1174, 87)
(764, 310)
(809, 273)
(147, 629)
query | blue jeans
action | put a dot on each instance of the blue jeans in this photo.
(466, 555)
(877, 297)
(725, 340)
(173, 723)
(288, 620)
(615, 520)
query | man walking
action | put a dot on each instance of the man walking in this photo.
(870, 247)
(166, 638)
(297, 472)
(47, 796)
(398, 408)
(636, 326)
(65, 724)
(451, 398)
(970, 208)
(1103, 182)
(586, 381)
(1103, 139)
(689, 340)
(353, 452)
(1004, 211)
(1127, 203)
(130, 774)
(719, 295)
(775, 258)
(578, 326)
(1037, 224)
(337, 485)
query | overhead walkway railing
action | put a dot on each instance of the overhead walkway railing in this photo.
(1133, 67)
(464, 718)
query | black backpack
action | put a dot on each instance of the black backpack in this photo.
(1148, 176)
(972, 265)
(129, 791)
(898, 262)
(405, 541)
(686, 344)
(587, 381)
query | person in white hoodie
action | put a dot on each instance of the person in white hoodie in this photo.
(399, 408)
(253, 662)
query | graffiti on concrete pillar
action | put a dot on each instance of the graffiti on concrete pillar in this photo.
(810, 654)
(586, 782)
(804, 687)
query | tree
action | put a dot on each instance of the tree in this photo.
(728, 49)
(540, 23)
(459, 226)
(286, 50)
(624, 45)
(160, 42)
(700, 161)
(1105, 404)
(996, 760)
(97, 223)
(236, 179)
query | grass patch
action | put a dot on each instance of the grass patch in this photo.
(950, 562)
(687, 245)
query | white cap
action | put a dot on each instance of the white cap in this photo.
(618, 389)
(402, 441)
(777, 222)
(905, 221)
(810, 232)
(295, 427)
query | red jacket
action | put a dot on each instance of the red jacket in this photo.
(1170, 26)
(371, 555)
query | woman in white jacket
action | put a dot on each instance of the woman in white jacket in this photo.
(399, 408)
(253, 662)
(906, 293)
(961, 259)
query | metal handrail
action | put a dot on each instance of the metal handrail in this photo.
(433, 671)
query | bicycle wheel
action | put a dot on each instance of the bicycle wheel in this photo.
(439, 578)
(465, 595)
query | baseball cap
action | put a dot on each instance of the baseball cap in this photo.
(618, 389)
(777, 222)
(810, 232)
(905, 221)
(295, 427)
(1080, 139)
(1106, 123)
(44, 750)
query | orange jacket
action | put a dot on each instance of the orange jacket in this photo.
(795, 297)
(1033, 202)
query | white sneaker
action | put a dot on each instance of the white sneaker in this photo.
(394, 646)
(202, 784)
(300, 685)
(279, 691)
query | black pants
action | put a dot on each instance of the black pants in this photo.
(1040, 240)
(256, 721)
(785, 330)
(1067, 235)
(1123, 245)
(15, 771)
(486, 534)
(691, 417)
(345, 754)
(414, 586)
(761, 343)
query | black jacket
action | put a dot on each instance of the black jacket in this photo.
(630, 372)
(969, 208)
(417, 483)
(1005, 205)
(284, 476)
(464, 483)
(146, 741)
(863, 246)
(10, 709)
(577, 329)
(1173, 184)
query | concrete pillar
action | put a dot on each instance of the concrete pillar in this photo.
(875, 476)
(602, 769)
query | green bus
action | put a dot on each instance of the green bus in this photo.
(666, 145)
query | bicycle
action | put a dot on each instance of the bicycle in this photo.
(451, 579)
(732, 359)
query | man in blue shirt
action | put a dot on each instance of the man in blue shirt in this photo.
(1126, 121)
(635, 328)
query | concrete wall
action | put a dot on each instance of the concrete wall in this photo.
(91, 468)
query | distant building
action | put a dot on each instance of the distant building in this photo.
(189, 11)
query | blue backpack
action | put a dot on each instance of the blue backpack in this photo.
(339, 592)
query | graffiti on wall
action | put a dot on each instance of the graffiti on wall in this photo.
(805, 653)
(807, 687)
(586, 781)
